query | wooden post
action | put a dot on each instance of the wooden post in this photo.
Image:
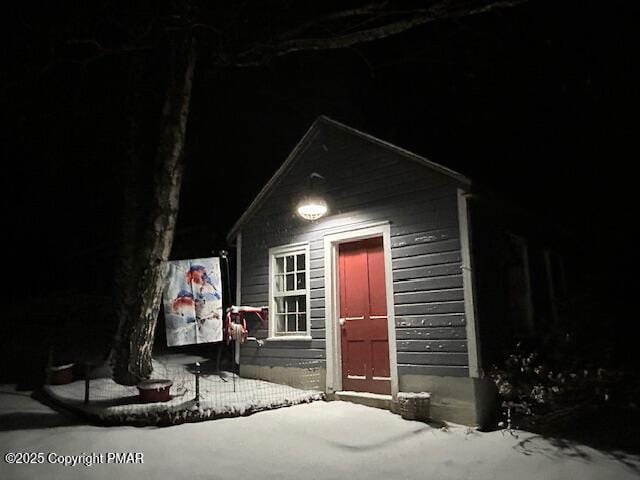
(197, 384)
(87, 369)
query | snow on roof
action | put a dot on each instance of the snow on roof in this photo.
(308, 138)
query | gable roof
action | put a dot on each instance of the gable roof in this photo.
(308, 137)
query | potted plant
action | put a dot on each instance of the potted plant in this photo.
(60, 368)
(61, 374)
(155, 390)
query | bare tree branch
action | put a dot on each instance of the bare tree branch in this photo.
(446, 9)
(369, 10)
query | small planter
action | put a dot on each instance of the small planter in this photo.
(61, 374)
(155, 390)
(414, 406)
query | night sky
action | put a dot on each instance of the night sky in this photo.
(539, 102)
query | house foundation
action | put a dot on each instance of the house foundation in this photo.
(305, 378)
(464, 400)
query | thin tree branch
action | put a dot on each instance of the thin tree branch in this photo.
(446, 9)
(364, 10)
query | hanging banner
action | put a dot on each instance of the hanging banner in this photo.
(193, 302)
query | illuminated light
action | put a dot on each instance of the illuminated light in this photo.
(312, 208)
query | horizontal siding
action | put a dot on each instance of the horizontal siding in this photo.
(426, 248)
(290, 344)
(284, 362)
(384, 189)
(316, 273)
(416, 321)
(254, 280)
(432, 308)
(364, 168)
(317, 303)
(420, 236)
(449, 346)
(253, 352)
(260, 299)
(366, 184)
(425, 260)
(318, 333)
(428, 283)
(428, 296)
(262, 288)
(432, 358)
(426, 271)
(260, 333)
(441, 370)
(432, 211)
(431, 333)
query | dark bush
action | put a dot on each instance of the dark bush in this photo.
(543, 385)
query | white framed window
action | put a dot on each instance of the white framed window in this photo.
(289, 292)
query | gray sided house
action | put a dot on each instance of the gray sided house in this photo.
(378, 296)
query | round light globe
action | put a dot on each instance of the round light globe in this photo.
(312, 208)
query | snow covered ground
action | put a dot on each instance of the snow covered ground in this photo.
(220, 395)
(335, 440)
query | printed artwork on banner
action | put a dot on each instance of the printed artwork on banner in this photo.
(193, 302)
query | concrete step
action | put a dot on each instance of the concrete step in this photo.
(374, 400)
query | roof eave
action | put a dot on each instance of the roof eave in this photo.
(231, 236)
(401, 151)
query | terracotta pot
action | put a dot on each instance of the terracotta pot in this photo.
(61, 374)
(155, 390)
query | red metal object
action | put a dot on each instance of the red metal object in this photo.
(62, 374)
(155, 390)
(363, 317)
(238, 315)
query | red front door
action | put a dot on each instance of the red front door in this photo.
(363, 317)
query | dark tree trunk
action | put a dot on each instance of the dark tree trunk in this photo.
(145, 252)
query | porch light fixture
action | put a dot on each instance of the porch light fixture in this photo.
(312, 206)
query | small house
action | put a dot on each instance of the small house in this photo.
(365, 255)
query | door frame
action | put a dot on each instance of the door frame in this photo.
(332, 299)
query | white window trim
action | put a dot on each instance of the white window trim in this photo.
(283, 250)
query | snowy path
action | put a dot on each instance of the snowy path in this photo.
(334, 440)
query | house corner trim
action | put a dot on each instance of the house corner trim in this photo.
(473, 342)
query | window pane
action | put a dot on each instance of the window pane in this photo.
(279, 283)
(290, 266)
(291, 304)
(280, 305)
(302, 303)
(289, 275)
(290, 282)
(291, 323)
